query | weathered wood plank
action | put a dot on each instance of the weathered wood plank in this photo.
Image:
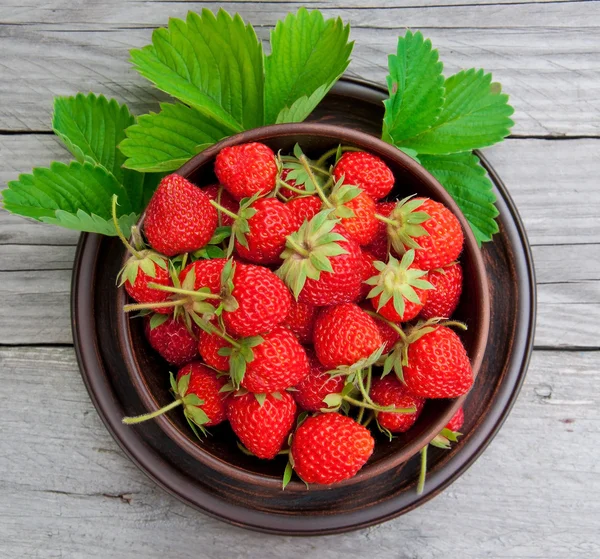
(552, 182)
(61, 472)
(536, 53)
(36, 257)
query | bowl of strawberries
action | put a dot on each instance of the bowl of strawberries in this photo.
(304, 309)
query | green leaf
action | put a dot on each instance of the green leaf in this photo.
(91, 127)
(475, 114)
(287, 475)
(166, 140)
(213, 63)
(416, 88)
(302, 107)
(182, 384)
(307, 53)
(467, 182)
(77, 196)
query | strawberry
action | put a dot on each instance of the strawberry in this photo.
(429, 228)
(368, 270)
(301, 320)
(456, 422)
(204, 383)
(217, 193)
(304, 208)
(321, 266)
(171, 339)
(209, 346)
(261, 230)
(356, 211)
(262, 428)
(366, 171)
(345, 334)
(278, 363)
(179, 217)
(246, 169)
(442, 300)
(400, 290)
(380, 245)
(198, 390)
(389, 334)
(262, 301)
(206, 273)
(330, 447)
(437, 363)
(315, 386)
(389, 391)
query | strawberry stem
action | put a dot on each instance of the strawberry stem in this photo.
(321, 161)
(391, 324)
(375, 407)
(144, 306)
(423, 472)
(224, 210)
(152, 415)
(170, 289)
(289, 187)
(363, 391)
(297, 247)
(313, 179)
(368, 420)
(386, 219)
(120, 233)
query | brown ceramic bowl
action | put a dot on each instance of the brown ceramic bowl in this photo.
(219, 452)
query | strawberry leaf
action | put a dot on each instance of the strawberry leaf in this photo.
(467, 182)
(166, 140)
(287, 475)
(308, 55)
(416, 88)
(212, 63)
(475, 114)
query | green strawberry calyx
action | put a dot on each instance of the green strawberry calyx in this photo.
(191, 402)
(397, 281)
(308, 251)
(442, 440)
(404, 224)
(340, 195)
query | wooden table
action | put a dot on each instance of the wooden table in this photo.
(66, 490)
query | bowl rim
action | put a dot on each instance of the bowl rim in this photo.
(370, 143)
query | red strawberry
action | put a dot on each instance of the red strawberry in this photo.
(389, 335)
(456, 422)
(142, 268)
(207, 273)
(262, 429)
(223, 198)
(204, 383)
(442, 300)
(246, 169)
(279, 362)
(368, 270)
(389, 391)
(304, 208)
(330, 447)
(366, 171)
(263, 301)
(301, 320)
(179, 217)
(380, 245)
(319, 245)
(345, 334)
(400, 289)
(357, 214)
(438, 365)
(428, 227)
(318, 384)
(197, 389)
(268, 225)
(209, 346)
(172, 340)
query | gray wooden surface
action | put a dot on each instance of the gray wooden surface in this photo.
(66, 490)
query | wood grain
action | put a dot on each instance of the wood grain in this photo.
(72, 493)
(86, 45)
